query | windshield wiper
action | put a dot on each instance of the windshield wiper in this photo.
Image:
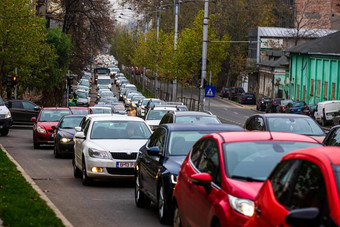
(249, 179)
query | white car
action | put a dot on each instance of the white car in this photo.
(154, 116)
(107, 147)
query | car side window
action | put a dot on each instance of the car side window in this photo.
(165, 119)
(255, 123)
(309, 189)
(196, 152)
(16, 104)
(161, 140)
(334, 138)
(86, 126)
(281, 180)
(28, 105)
(210, 162)
(154, 137)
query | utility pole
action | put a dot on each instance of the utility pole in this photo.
(174, 84)
(15, 86)
(204, 53)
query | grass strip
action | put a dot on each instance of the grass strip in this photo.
(20, 204)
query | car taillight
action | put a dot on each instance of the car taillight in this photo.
(262, 102)
(243, 97)
(254, 98)
(291, 110)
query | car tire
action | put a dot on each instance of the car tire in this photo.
(86, 180)
(141, 199)
(257, 108)
(177, 219)
(323, 122)
(4, 132)
(36, 145)
(56, 152)
(164, 213)
(76, 171)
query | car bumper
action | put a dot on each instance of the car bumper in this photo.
(45, 138)
(6, 123)
(66, 148)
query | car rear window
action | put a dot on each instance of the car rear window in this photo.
(197, 119)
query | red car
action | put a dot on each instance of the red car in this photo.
(222, 174)
(81, 110)
(42, 127)
(302, 189)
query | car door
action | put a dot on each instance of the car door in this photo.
(79, 144)
(333, 138)
(197, 201)
(29, 111)
(17, 110)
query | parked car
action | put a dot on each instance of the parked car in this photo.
(303, 190)
(262, 103)
(295, 123)
(6, 121)
(225, 92)
(271, 106)
(22, 111)
(325, 111)
(235, 92)
(193, 117)
(42, 126)
(79, 110)
(281, 106)
(309, 110)
(165, 151)
(223, 173)
(107, 147)
(64, 133)
(295, 107)
(247, 98)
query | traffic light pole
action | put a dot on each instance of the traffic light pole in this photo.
(15, 86)
(67, 87)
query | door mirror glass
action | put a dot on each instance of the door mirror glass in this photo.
(37, 108)
(304, 216)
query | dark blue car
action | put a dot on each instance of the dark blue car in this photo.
(295, 107)
(159, 160)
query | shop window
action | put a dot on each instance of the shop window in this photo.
(325, 90)
(333, 91)
(304, 92)
(298, 92)
(312, 87)
(318, 88)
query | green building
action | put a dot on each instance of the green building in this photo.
(314, 70)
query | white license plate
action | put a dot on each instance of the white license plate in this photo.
(249, 98)
(125, 164)
(52, 135)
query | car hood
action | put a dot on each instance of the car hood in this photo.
(173, 163)
(242, 189)
(152, 122)
(116, 145)
(68, 133)
(47, 125)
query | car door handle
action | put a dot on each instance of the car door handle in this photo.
(258, 210)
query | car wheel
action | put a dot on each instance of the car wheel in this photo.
(164, 214)
(86, 180)
(141, 199)
(323, 122)
(56, 152)
(36, 145)
(76, 172)
(177, 218)
(4, 132)
(257, 107)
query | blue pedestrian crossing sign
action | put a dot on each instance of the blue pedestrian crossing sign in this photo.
(209, 91)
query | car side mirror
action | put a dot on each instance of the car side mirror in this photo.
(201, 179)
(304, 216)
(153, 151)
(80, 135)
(54, 127)
(34, 119)
(37, 108)
(78, 129)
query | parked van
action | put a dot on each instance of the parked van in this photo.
(325, 111)
(104, 80)
(6, 120)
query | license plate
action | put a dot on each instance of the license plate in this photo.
(249, 98)
(125, 164)
(52, 135)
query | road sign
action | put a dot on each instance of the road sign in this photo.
(209, 91)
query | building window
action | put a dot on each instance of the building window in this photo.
(298, 92)
(325, 90)
(333, 91)
(312, 88)
(304, 93)
(318, 88)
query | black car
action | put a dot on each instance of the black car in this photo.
(247, 98)
(63, 135)
(333, 137)
(271, 106)
(22, 111)
(159, 160)
(193, 117)
(235, 92)
(263, 102)
(225, 92)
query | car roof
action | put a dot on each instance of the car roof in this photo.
(163, 108)
(98, 107)
(265, 135)
(73, 115)
(192, 113)
(78, 107)
(282, 115)
(56, 108)
(328, 154)
(119, 117)
(203, 127)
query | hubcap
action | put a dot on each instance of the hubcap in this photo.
(161, 202)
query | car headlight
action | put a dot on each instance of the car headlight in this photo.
(8, 115)
(243, 206)
(65, 140)
(41, 130)
(98, 154)
(173, 178)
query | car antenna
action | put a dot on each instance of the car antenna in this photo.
(271, 136)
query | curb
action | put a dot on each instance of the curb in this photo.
(38, 190)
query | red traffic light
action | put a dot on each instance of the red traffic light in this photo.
(14, 79)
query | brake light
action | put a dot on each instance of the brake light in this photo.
(243, 97)
(262, 101)
(254, 98)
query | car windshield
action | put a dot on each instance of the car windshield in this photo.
(70, 122)
(82, 95)
(305, 126)
(156, 114)
(267, 99)
(103, 81)
(197, 119)
(119, 107)
(297, 104)
(101, 111)
(102, 71)
(145, 101)
(120, 130)
(254, 160)
(180, 142)
(137, 98)
(80, 111)
(53, 115)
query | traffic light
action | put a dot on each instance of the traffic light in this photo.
(12, 80)
(69, 81)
